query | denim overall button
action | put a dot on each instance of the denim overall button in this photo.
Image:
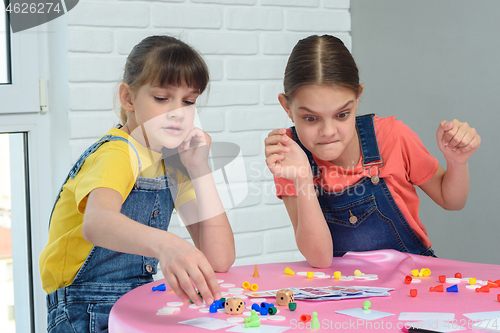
(149, 268)
(353, 219)
(155, 213)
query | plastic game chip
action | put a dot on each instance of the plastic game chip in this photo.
(175, 304)
(472, 286)
(275, 317)
(220, 280)
(416, 281)
(346, 278)
(235, 290)
(452, 280)
(258, 300)
(227, 285)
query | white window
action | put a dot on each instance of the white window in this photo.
(29, 175)
(4, 50)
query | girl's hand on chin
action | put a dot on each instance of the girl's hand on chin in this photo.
(193, 151)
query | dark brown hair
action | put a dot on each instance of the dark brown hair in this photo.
(320, 60)
(164, 60)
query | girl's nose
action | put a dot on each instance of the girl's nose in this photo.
(178, 112)
(328, 129)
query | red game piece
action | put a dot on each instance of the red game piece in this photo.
(442, 278)
(498, 297)
(305, 318)
(437, 288)
(458, 275)
(413, 293)
(497, 282)
(485, 289)
(492, 284)
(408, 279)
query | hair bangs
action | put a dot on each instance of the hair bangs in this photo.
(175, 65)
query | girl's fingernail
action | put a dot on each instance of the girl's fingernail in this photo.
(218, 296)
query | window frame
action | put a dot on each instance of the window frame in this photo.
(37, 208)
(20, 112)
(22, 95)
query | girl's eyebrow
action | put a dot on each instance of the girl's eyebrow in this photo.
(305, 108)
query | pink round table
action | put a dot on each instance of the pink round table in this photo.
(136, 310)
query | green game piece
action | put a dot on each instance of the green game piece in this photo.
(253, 320)
(272, 310)
(366, 305)
(315, 321)
(292, 306)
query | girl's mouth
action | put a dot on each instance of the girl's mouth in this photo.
(173, 130)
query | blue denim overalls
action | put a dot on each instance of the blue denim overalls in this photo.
(106, 275)
(364, 216)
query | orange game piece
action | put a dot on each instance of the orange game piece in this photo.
(437, 288)
(442, 278)
(485, 289)
(413, 292)
(458, 275)
(492, 284)
(408, 279)
(255, 272)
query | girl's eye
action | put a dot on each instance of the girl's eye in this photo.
(310, 119)
(189, 103)
(343, 115)
(160, 99)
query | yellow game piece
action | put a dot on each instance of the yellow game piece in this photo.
(472, 281)
(288, 271)
(358, 272)
(310, 275)
(414, 272)
(246, 285)
(337, 274)
(421, 273)
(426, 271)
(254, 287)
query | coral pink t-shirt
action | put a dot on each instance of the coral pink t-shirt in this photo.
(406, 163)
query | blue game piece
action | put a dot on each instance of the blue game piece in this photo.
(256, 307)
(264, 311)
(161, 287)
(213, 308)
(453, 288)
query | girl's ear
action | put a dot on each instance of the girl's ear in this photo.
(286, 106)
(361, 88)
(125, 94)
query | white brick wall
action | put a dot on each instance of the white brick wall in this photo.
(246, 44)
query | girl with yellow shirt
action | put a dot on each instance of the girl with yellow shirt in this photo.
(108, 229)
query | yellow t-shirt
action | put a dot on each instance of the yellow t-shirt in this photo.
(114, 165)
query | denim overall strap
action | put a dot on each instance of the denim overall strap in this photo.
(76, 167)
(316, 171)
(369, 146)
